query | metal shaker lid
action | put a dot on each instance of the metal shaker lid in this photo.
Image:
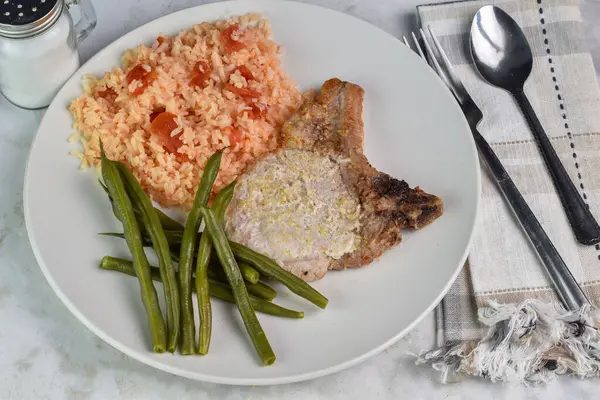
(21, 19)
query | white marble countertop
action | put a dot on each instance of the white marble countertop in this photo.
(45, 353)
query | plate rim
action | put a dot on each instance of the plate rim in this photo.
(145, 359)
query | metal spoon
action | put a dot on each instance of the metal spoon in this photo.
(503, 57)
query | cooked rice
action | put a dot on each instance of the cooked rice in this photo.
(204, 116)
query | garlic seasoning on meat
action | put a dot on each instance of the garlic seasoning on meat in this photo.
(38, 47)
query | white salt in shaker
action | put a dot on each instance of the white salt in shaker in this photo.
(38, 47)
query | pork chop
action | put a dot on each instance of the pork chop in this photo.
(317, 203)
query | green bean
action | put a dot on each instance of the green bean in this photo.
(240, 294)
(258, 289)
(112, 203)
(217, 290)
(161, 247)
(202, 288)
(271, 269)
(225, 196)
(126, 267)
(167, 222)
(223, 292)
(250, 274)
(202, 295)
(105, 190)
(124, 211)
(188, 249)
(175, 256)
(262, 290)
(174, 237)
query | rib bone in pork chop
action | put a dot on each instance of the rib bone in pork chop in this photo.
(317, 203)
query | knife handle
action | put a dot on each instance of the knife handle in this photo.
(565, 284)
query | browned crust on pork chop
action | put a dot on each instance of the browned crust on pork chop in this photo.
(388, 205)
(331, 125)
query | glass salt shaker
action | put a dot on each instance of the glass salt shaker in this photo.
(38, 47)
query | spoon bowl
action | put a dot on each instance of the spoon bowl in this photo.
(500, 49)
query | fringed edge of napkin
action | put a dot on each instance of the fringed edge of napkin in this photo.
(531, 342)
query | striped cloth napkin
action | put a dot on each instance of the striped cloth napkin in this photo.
(501, 319)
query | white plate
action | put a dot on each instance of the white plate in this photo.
(414, 130)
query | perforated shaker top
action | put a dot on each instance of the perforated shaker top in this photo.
(23, 12)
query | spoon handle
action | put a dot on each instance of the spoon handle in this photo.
(580, 218)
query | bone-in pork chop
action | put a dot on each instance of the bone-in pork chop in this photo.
(317, 203)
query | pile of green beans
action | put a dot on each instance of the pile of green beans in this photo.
(260, 264)
(218, 267)
(217, 289)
